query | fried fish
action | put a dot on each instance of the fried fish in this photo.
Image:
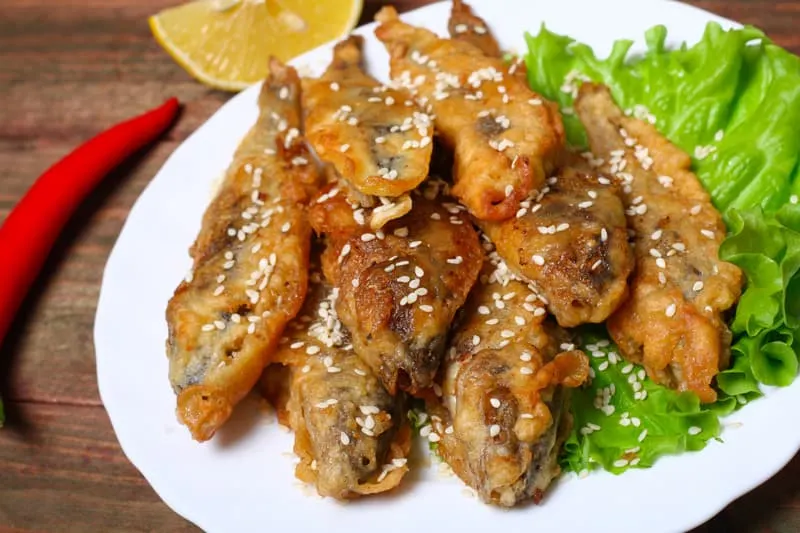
(399, 287)
(465, 25)
(351, 436)
(250, 268)
(506, 139)
(377, 138)
(503, 413)
(673, 323)
(571, 242)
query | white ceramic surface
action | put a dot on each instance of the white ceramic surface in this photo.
(242, 481)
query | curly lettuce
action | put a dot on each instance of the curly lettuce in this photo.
(732, 101)
(625, 420)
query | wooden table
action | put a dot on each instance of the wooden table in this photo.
(65, 74)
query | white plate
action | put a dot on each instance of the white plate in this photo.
(243, 481)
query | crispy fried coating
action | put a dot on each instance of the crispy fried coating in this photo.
(250, 265)
(399, 287)
(673, 322)
(465, 25)
(351, 436)
(506, 138)
(377, 138)
(571, 242)
(504, 410)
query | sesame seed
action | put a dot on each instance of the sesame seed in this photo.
(694, 430)
(312, 350)
(492, 321)
(219, 324)
(414, 244)
(656, 235)
(603, 235)
(519, 320)
(426, 308)
(344, 438)
(296, 345)
(494, 402)
(207, 327)
(670, 311)
(419, 272)
(661, 263)
(526, 370)
(355, 283)
(414, 283)
(219, 290)
(707, 233)
(401, 232)
(507, 334)
(539, 311)
(621, 463)
(538, 259)
(494, 430)
(334, 369)
(476, 340)
(535, 101)
(698, 286)
(695, 209)
(483, 310)
(457, 260)
(366, 237)
(642, 435)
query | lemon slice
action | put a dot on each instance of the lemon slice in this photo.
(227, 43)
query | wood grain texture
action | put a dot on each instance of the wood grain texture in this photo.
(67, 71)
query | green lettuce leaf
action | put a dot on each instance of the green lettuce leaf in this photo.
(732, 101)
(624, 420)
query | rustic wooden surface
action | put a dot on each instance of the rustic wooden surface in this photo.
(67, 72)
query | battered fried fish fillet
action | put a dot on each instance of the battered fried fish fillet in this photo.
(465, 25)
(250, 265)
(377, 138)
(399, 287)
(504, 410)
(571, 242)
(673, 322)
(351, 436)
(506, 138)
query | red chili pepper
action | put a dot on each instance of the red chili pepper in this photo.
(33, 225)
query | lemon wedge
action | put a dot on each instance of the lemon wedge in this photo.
(227, 43)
